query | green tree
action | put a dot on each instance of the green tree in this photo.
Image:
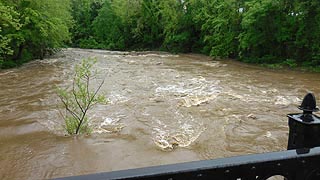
(84, 13)
(261, 37)
(37, 28)
(149, 28)
(79, 99)
(307, 27)
(219, 21)
(282, 30)
(180, 34)
(9, 23)
(129, 12)
(108, 28)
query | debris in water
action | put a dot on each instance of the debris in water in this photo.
(268, 134)
(252, 116)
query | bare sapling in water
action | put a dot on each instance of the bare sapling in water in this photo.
(80, 98)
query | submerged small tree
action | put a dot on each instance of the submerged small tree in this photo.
(80, 98)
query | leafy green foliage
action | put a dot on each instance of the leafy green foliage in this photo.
(149, 28)
(280, 29)
(9, 20)
(264, 31)
(31, 28)
(84, 13)
(9, 23)
(219, 21)
(108, 28)
(261, 31)
(180, 34)
(290, 63)
(79, 99)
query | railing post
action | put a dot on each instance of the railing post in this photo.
(304, 128)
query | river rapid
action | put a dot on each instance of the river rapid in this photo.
(162, 109)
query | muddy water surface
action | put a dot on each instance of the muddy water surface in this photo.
(163, 109)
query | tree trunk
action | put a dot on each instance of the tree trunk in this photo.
(19, 54)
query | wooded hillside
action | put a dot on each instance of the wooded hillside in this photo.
(264, 31)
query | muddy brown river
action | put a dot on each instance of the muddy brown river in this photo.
(162, 109)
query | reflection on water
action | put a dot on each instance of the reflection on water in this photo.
(163, 109)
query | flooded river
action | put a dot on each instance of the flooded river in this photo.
(162, 109)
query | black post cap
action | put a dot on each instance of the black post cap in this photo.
(309, 104)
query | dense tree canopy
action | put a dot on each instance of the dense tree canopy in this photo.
(219, 21)
(31, 28)
(264, 31)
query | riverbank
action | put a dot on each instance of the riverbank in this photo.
(294, 67)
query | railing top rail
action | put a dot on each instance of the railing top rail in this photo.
(275, 159)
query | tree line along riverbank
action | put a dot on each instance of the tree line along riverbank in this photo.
(272, 32)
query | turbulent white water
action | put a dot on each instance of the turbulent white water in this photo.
(162, 109)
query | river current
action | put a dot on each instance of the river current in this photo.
(163, 109)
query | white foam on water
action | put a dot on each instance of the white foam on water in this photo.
(116, 97)
(268, 134)
(181, 133)
(215, 64)
(189, 101)
(109, 125)
(6, 73)
(153, 55)
(192, 92)
(286, 100)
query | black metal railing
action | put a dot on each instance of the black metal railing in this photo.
(301, 162)
(292, 164)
